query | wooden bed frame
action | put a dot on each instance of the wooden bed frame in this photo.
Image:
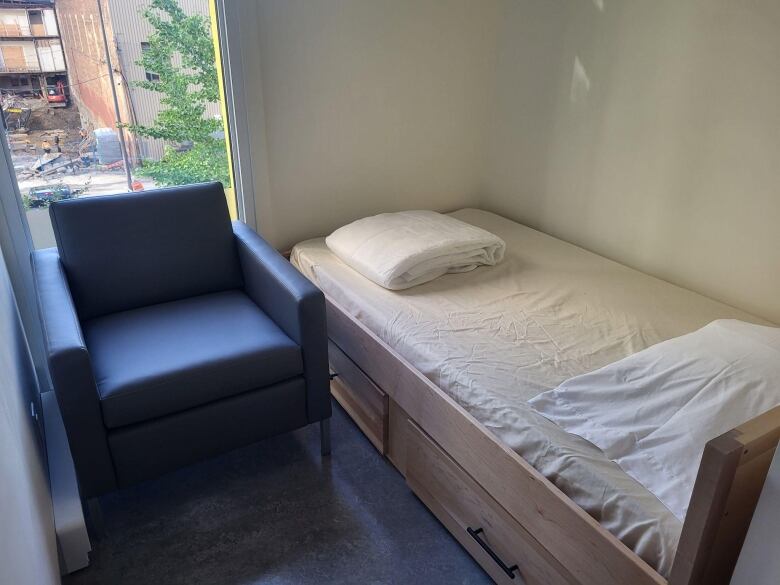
(512, 520)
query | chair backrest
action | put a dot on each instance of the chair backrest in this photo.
(132, 250)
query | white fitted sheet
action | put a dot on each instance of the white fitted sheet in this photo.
(495, 337)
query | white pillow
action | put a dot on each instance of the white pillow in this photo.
(653, 412)
(401, 250)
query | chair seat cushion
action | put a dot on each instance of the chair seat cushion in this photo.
(170, 357)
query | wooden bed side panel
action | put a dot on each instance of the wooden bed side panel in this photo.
(360, 397)
(731, 475)
(398, 430)
(592, 554)
(461, 504)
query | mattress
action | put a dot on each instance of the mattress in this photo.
(495, 337)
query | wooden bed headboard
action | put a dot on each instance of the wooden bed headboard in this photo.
(731, 475)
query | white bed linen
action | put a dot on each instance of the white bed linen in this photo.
(497, 336)
(668, 400)
(408, 248)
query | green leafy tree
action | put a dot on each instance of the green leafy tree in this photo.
(181, 53)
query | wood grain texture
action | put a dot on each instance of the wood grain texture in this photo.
(460, 503)
(360, 397)
(731, 475)
(397, 432)
(575, 539)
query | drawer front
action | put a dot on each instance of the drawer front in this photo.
(479, 523)
(360, 397)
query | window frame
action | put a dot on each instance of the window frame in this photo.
(150, 75)
(229, 38)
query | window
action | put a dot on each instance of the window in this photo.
(36, 23)
(149, 75)
(124, 141)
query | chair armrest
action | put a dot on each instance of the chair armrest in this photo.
(295, 305)
(71, 374)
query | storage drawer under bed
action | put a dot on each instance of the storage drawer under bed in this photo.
(360, 397)
(499, 544)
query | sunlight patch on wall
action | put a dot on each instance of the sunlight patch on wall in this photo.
(580, 83)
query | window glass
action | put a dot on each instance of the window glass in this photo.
(149, 75)
(87, 116)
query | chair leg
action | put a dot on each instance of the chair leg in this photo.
(325, 437)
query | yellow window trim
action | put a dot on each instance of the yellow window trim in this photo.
(230, 193)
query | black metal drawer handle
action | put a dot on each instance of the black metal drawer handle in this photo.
(510, 571)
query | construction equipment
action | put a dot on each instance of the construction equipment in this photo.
(56, 96)
(15, 112)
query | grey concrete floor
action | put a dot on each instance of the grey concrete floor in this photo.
(276, 513)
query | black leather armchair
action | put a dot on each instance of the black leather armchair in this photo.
(173, 335)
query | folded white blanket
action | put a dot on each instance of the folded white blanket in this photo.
(404, 249)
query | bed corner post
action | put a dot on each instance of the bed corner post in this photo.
(731, 475)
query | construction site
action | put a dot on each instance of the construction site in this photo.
(50, 145)
(56, 157)
(74, 91)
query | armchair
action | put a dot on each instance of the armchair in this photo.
(173, 335)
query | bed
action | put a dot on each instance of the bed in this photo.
(466, 351)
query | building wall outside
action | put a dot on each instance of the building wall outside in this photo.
(89, 80)
(24, 63)
(37, 56)
(29, 47)
(50, 22)
(130, 30)
(17, 83)
(15, 22)
(126, 29)
(50, 55)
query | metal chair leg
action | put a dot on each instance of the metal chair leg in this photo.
(325, 437)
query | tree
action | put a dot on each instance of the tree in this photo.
(181, 53)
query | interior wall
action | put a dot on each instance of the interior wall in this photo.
(362, 106)
(646, 132)
(28, 554)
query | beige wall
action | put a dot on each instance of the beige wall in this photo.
(363, 106)
(644, 131)
(662, 150)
